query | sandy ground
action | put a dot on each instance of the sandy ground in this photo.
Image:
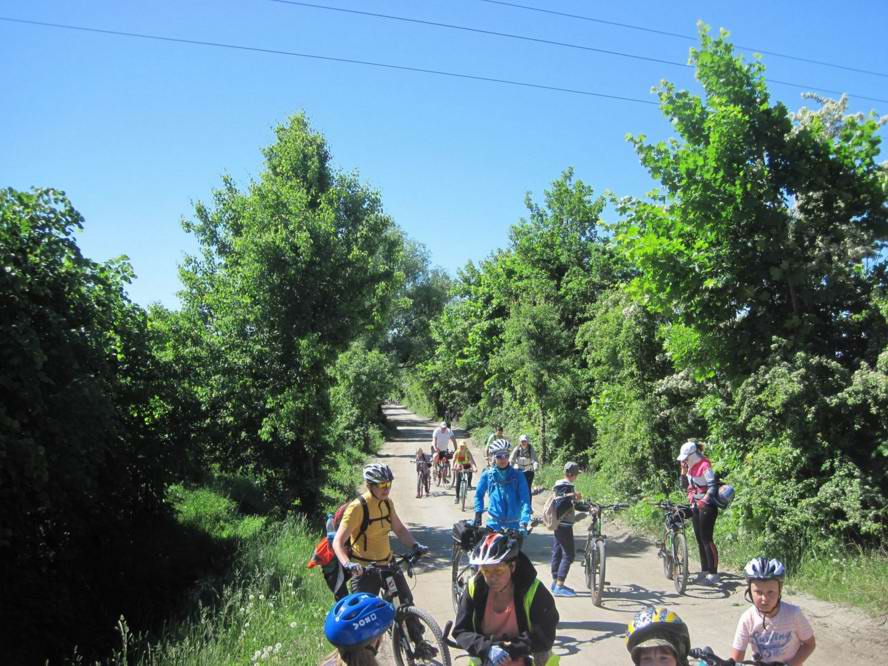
(594, 635)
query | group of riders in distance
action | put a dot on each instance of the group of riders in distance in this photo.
(505, 615)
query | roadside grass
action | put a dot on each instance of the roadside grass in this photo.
(265, 609)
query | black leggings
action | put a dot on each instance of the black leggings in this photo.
(704, 526)
(529, 474)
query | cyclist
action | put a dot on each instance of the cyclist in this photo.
(524, 460)
(509, 504)
(505, 613)
(777, 630)
(363, 539)
(441, 438)
(355, 625)
(699, 480)
(423, 471)
(491, 438)
(463, 460)
(658, 637)
(563, 546)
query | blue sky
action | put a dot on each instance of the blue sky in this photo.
(137, 130)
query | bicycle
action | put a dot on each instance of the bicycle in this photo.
(465, 537)
(707, 656)
(402, 645)
(462, 483)
(528, 659)
(594, 554)
(673, 550)
(442, 468)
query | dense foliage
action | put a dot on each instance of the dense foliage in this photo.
(742, 301)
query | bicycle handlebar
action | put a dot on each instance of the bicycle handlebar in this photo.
(452, 643)
(407, 559)
(711, 659)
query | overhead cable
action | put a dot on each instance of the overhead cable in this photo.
(630, 26)
(295, 54)
(549, 42)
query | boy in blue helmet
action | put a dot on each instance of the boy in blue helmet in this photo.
(355, 625)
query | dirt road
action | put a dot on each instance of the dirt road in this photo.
(594, 635)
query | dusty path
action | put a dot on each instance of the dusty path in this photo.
(594, 635)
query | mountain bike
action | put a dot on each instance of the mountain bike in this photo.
(673, 549)
(442, 468)
(708, 657)
(465, 537)
(403, 647)
(462, 484)
(594, 555)
(528, 659)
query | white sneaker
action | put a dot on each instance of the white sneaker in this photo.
(713, 579)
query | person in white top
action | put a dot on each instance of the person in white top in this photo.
(776, 630)
(441, 438)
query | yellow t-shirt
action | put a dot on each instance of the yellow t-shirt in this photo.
(377, 548)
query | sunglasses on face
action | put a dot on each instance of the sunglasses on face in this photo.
(495, 570)
(500, 456)
(383, 485)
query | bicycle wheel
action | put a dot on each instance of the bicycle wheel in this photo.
(404, 648)
(438, 475)
(588, 563)
(680, 562)
(464, 490)
(460, 574)
(666, 556)
(598, 576)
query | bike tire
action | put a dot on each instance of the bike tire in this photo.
(587, 563)
(460, 573)
(598, 592)
(464, 490)
(680, 562)
(666, 552)
(433, 635)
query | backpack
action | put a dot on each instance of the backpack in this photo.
(335, 574)
(550, 512)
(725, 494)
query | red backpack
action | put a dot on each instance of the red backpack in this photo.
(334, 573)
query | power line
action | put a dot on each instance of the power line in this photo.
(295, 54)
(629, 26)
(549, 42)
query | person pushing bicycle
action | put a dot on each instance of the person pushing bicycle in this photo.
(506, 490)
(363, 539)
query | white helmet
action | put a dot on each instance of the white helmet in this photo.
(761, 568)
(499, 446)
(494, 549)
(378, 473)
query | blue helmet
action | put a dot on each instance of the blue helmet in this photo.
(357, 619)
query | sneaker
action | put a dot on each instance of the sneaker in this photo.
(424, 650)
(552, 586)
(713, 579)
(563, 591)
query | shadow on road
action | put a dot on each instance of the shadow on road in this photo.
(565, 644)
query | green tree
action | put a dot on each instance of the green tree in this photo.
(765, 226)
(289, 273)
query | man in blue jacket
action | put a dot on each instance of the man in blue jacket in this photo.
(506, 487)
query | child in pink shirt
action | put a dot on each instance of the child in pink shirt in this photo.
(776, 630)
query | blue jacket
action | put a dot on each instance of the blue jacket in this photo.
(509, 503)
